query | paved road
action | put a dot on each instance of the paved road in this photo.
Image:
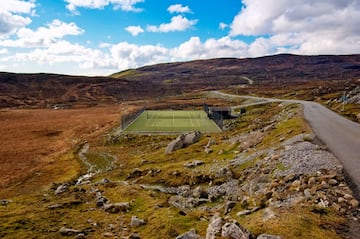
(340, 135)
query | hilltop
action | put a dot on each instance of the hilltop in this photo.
(279, 71)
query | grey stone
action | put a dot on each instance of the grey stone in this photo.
(189, 235)
(117, 207)
(232, 230)
(243, 213)
(191, 138)
(80, 236)
(228, 206)
(214, 228)
(208, 150)
(176, 144)
(4, 202)
(68, 231)
(137, 222)
(193, 164)
(267, 236)
(61, 189)
(183, 141)
(210, 143)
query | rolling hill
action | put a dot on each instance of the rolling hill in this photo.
(43, 90)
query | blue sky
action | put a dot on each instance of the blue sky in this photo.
(100, 37)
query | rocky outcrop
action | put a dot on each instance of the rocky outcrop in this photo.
(183, 141)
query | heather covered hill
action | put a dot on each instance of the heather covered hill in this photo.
(42, 90)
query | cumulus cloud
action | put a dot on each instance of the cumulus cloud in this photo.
(134, 30)
(43, 36)
(223, 26)
(125, 5)
(3, 51)
(178, 8)
(12, 15)
(178, 23)
(300, 26)
(211, 48)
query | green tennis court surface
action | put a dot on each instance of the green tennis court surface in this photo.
(158, 121)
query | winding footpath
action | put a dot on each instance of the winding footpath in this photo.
(340, 135)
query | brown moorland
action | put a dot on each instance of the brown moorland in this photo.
(35, 145)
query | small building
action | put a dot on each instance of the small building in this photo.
(223, 112)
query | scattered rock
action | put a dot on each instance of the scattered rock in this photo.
(137, 222)
(228, 206)
(4, 202)
(68, 231)
(185, 203)
(55, 206)
(214, 228)
(194, 164)
(232, 230)
(189, 235)
(135, 173)
(208, 150)
(307, 193)
(354, 203)
(80, 236)
(61, 189)
(243, 213)
(210, 143)
(117, 207)
(134, 236)
(268, 214)
(267, 236)
(108, 234)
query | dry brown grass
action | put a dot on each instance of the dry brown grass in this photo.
(36, 145)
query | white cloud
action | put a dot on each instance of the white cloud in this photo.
(300, 26)
(125, 5)
(3, 51)
(178, 8)
(134, 30)
(17, 6)
(178, 23)
(211, 48)
(43, 36)
(223, 26)
(130, 55)
(11, 15)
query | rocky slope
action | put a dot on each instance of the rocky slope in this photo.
(266, 176)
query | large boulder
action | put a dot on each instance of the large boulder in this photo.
(183, 141)
(176, 144)
(191, 138)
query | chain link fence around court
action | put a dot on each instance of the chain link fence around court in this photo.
(126, 120)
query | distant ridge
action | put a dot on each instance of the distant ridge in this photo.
(42, 90)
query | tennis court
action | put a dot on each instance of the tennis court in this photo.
(164, 121)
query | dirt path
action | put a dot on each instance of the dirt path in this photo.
(340, 135)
